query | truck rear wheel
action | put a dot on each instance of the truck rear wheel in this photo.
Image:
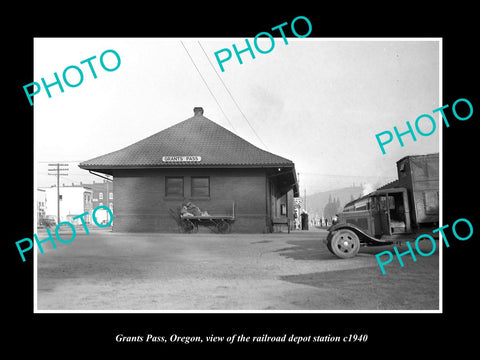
(344, 243)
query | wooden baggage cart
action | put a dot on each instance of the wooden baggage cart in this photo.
(216, 223)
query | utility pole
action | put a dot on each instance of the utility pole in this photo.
(56, 169)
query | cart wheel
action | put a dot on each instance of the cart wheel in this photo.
(223, 227)
(344, 243)
(195, 227)
(188, 226)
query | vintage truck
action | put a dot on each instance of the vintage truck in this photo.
(393, 213)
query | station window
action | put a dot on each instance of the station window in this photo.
(200, 186)
(173, 186)
(100, 196)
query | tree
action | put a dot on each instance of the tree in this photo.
(332, 207)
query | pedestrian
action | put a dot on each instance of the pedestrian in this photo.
(304, 220)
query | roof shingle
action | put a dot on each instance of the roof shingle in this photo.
(196, 136)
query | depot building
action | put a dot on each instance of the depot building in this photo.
(199, 161)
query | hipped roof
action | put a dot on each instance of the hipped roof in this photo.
(196, 136)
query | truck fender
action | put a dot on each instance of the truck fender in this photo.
(362, 235)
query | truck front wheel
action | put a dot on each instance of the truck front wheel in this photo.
(344, 243)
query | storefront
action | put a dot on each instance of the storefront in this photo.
(199, 161)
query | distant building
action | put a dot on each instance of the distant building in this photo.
(197, 160)
(41, 204)
(74, 200)
(102, 193)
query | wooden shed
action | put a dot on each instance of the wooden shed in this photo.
(420, 175)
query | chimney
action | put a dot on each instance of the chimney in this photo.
(197, 111)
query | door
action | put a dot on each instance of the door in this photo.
(273, 200)
(380, 212)
(399, 212)
(271, 206)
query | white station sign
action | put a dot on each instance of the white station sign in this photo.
(181, 158)
(298, 201)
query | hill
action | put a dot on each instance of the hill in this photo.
(316, 202)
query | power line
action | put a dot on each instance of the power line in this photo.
(344, 175)
(63, 161)
(220, 106)
(235, 102)
(67, 178)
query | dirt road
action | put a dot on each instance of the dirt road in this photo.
(112, 271)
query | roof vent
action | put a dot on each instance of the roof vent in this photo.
(197, 111)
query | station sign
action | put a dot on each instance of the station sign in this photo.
(181, 158)
(298, 201)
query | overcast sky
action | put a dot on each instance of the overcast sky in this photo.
(317, 102)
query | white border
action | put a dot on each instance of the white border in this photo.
(436, 311)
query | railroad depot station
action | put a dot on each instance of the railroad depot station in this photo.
(201, 162)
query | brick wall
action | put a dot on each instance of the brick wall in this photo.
(141, 204)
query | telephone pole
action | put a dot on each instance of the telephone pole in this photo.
(56, 172)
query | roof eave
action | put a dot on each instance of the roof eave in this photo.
(177, 166)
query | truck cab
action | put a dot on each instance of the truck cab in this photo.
(394, 212)
(383, 212)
